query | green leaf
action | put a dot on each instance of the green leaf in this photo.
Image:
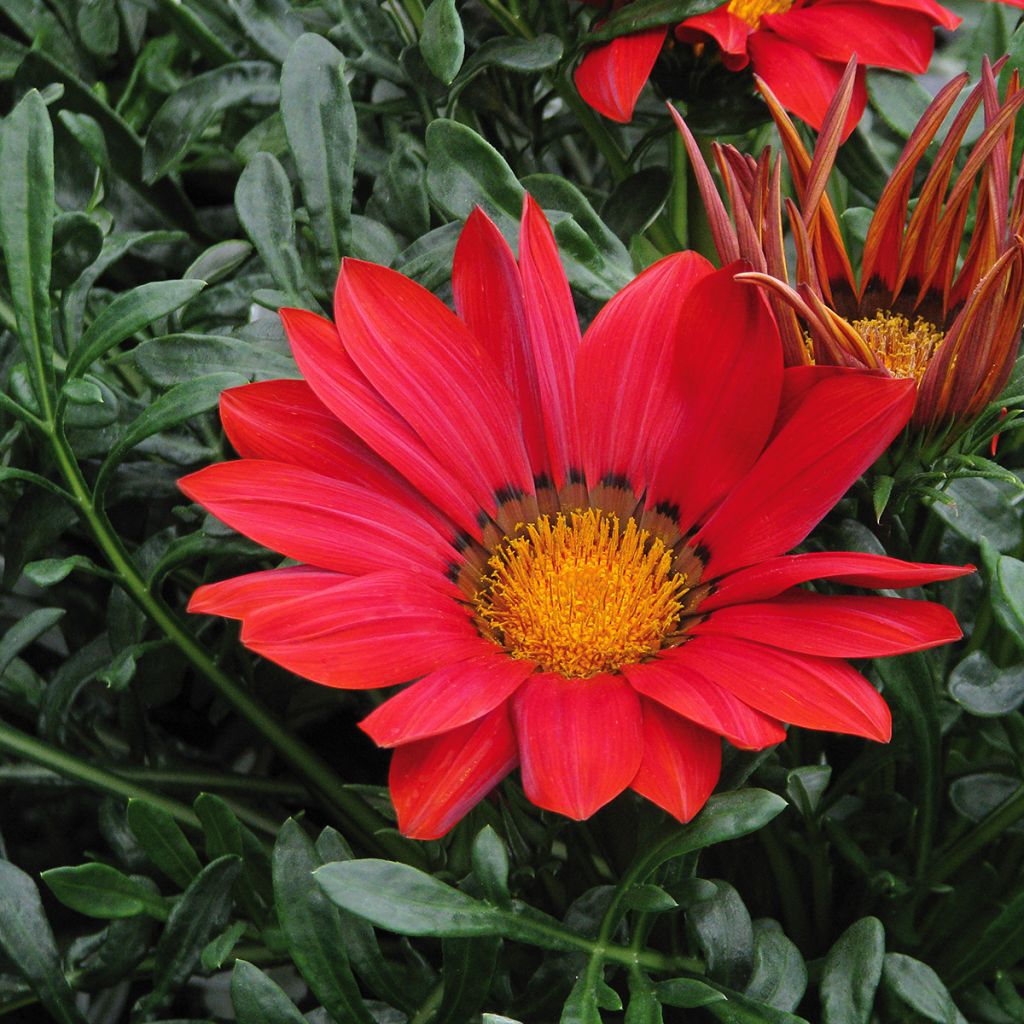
(1008, 596)
(98, 26)
(200, 914)
(312, 926)
(917, 985)
(181, 403)
(163, 841)
(644, 14)
(740, 1009)
(258, 1000)
(263, 200)
(650, 899)
(217, 950)
(442, 42)
(25, 632)
(725, 934)
(977, 685)
(185, 115)
(851, 973)
(401, 899)
(490, 865)
(527, 56)
(999, 947)
(222, 829)
(176, 358)
(127, 314)
(467, 969)
(900, 100)
(77, 241)
(643, 1006)
(977, 795)
(271, 24)
(26, 228)
(687, 993)
(779, 978)
(26, 939)
(981, 508)
(880, 494)
(48, 571)
(320, 123)
(219, 261)
(102, 891)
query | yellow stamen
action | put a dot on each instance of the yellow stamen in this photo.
(581, 595)
(752, 11)
(904, 348)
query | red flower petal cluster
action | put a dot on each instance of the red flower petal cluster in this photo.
(576, 546)
(799, 47)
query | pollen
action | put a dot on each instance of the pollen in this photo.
(752, 11)
(905, 349)
(581, 594)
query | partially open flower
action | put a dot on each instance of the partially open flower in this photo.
(577, 547)
(934, 304)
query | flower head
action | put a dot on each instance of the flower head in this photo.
(575, 546)
(926, 308)
(798, 47)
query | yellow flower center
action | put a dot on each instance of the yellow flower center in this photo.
(904, 348)
(581, 595)
(752, 11)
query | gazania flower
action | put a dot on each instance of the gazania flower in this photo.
(576, 548)
(799, 47)
(919, 311)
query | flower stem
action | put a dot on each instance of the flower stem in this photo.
(988, 829)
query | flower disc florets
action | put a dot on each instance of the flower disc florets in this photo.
(905, 348)
(581, 594)
(752, 11)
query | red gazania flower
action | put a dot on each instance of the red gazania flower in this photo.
(576, 547)
(799, 47)
(948, 323)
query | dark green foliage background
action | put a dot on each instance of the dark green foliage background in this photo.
(212, 835)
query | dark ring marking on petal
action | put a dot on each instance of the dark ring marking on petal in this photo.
(462, 541)
(619, 480)
(668, 509)
(542, 480)
(508, 493)
(574, 475)
(453, 571)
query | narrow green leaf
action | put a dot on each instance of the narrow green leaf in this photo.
(404, 900)
(644, 14)
(25, 632)
(263, 201)
(219, 261)
(687, 993)
(490, 865)
(127, 314)
(222, 829)
(163, 841)
(643, 1006)
(200, 914)
(185, 115)
(851, 973)
(651, 899)
(312, 926)
(100, 890)
(271, 24)
(779, 977)
(917, 985)
(48, 571)
(320, 123)
(740, 1009)
(725, 934)
(258, 1000)
(467, 969)
(1001, 942)
(26, 939)
(513, 54)
(77, 241)
(442, 41)
(176, 358)
(26, 229)
(218, 949)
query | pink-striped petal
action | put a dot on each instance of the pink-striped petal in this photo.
(372, 631)
(449, 697)
(836, 626)
(670, 681)
(812, 692)
(436, 782)
(580, 740)
(680, 765)
(240, 596)
(842, 427)
(316, 519)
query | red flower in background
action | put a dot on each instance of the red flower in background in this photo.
(799, 47)
(575, 546)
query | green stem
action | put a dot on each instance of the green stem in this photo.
(429, 1006)
(15, 741)
(987, 830)
(794, 911)
(595, 128)
(345, 807)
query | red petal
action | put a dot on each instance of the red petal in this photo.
(939, 14)
(554, 337)
(376, 630)
(488, 290)
(881, 36)
(428, 366)
(680, 765)
(435, 782)
(854, 568)
(239, 597)
(449, 697)
(580, 740)
(731, 34)
(726, 416)
(627, 417)
(668, 680)
(837, 626)
(316, 519)
(816, 693)
(611, 76)
(842, 427)
(797, 382)
(341, 386)
(804, 83)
